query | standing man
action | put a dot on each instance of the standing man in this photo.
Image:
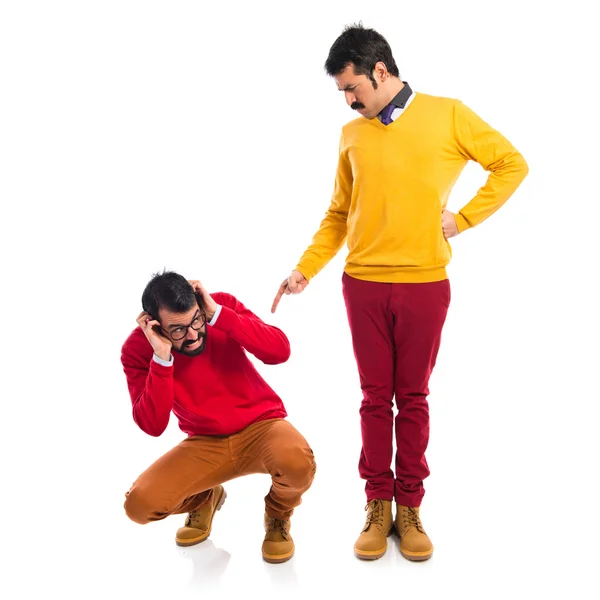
(397, 165)
(234, 421)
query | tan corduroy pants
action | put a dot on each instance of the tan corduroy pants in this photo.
(183, 479)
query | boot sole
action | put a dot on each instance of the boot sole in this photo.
(373, 554)
(275, 559)
(417, 556)
(204, 537)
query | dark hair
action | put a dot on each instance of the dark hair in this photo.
(364, 48)
(168, 290)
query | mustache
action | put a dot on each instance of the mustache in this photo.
(357, 105)
(190, 343)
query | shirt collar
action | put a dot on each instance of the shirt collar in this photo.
(402, 96)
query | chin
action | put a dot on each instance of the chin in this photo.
(197, 351)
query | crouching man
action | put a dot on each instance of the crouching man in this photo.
(188, 356)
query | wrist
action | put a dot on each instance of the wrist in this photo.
(163, 354)
(210, 313)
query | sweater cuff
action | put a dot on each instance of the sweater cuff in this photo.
(228, 319)
(162, 368)
(216, 315)
(461, 222)
(304, 271)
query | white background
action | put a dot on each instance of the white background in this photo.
(141, 135)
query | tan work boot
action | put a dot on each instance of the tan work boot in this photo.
(372, 542)
(278, 545)
(414, 542)
(199, 521)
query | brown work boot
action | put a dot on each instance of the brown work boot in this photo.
(414, 542)
(372, 542)
(278, 545)
(199, 521)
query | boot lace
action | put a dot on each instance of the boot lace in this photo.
(375, 514)
(281, 526)
(193, 519)
(410, 518)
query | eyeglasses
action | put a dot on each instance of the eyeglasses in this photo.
(180, 332)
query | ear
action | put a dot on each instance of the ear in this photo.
(380, 72)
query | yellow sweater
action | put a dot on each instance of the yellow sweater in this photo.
(393, 181)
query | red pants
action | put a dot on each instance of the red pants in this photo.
(396, 330)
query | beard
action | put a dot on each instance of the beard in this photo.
(195, 351)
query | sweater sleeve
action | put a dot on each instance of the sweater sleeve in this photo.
(150, 387)
(333, 229)
(477, 141)
(268, 343)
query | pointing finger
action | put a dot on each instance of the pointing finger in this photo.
(282, 290)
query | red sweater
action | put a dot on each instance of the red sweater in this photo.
(218, 392)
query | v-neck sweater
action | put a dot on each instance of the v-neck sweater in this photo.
(393, 181)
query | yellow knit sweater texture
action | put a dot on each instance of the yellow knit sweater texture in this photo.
(393, 181)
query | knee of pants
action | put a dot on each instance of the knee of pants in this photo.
(138, 507)
(297, 465)
(376, 403)
(412, 401)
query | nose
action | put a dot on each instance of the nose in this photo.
(350, 98)
(191, 334)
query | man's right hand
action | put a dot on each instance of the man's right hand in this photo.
(160, 344)
(294, 284)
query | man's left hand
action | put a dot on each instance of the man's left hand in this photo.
(204, 299)
(449, 226)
